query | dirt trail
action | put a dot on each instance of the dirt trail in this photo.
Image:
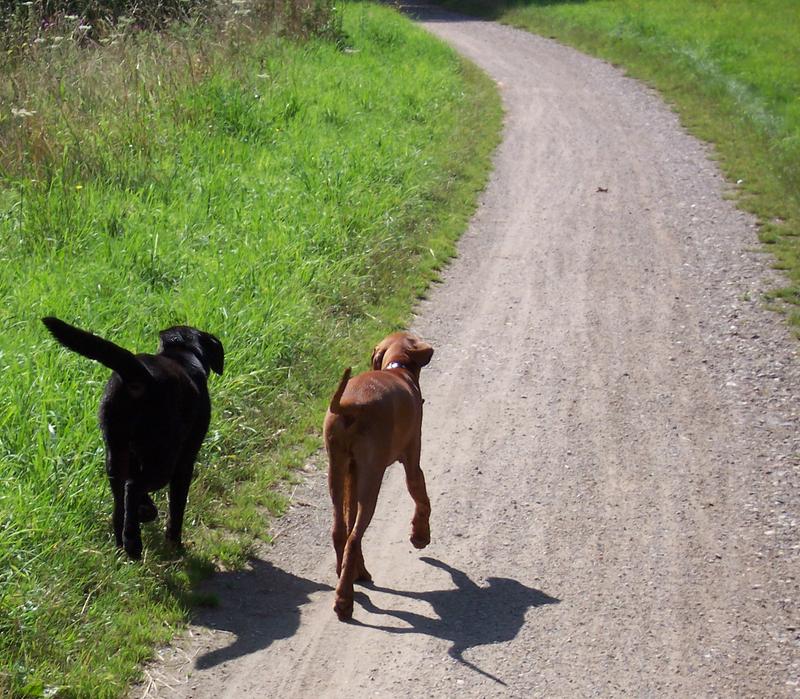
(610, 440)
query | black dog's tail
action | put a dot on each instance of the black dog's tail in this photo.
(107, 353)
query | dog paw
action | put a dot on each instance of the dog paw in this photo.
(420, 541)
(343, 608)
(133, 547)
(173, 543)
(364, 576)
(148, 512)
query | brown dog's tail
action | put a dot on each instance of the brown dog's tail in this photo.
(335, 407)
(107, 353)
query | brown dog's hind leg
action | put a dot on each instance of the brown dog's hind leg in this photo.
(362, 574)
(367, 499)
(415, 481)
(338, 476)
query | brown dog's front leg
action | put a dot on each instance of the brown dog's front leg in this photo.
(131, 535)
(415, 480)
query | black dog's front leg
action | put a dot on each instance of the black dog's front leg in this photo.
(178, 494)
(131, 535)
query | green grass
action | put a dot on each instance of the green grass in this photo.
(292, 198)
(731, 68)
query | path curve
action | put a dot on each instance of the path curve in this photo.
(610, 440)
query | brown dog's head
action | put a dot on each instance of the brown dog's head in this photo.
(405, 349)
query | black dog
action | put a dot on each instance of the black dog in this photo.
(154, 416)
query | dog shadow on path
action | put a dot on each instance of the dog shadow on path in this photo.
(468, 616)
(267, 608)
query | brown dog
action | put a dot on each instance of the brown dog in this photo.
(374, 419)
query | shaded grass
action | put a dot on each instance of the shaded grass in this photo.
(294, 199)
(732, 71)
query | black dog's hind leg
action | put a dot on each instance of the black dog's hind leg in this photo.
(148, 512)
(117, 465)
(131, 535)
(118, 517)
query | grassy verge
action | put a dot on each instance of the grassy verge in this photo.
(731, 69)
(294, 199)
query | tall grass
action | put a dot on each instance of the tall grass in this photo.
(731, 68)
(293, 198)
(30, 25)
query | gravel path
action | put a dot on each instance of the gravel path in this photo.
(610, 440)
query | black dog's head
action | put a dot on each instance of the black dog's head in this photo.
(183, 338)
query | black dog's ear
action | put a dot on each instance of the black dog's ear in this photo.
(377, 358)
(213, 351)
(422, 353)
(206, 347)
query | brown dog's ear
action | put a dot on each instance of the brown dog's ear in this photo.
(422, 353)
(377, 358)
